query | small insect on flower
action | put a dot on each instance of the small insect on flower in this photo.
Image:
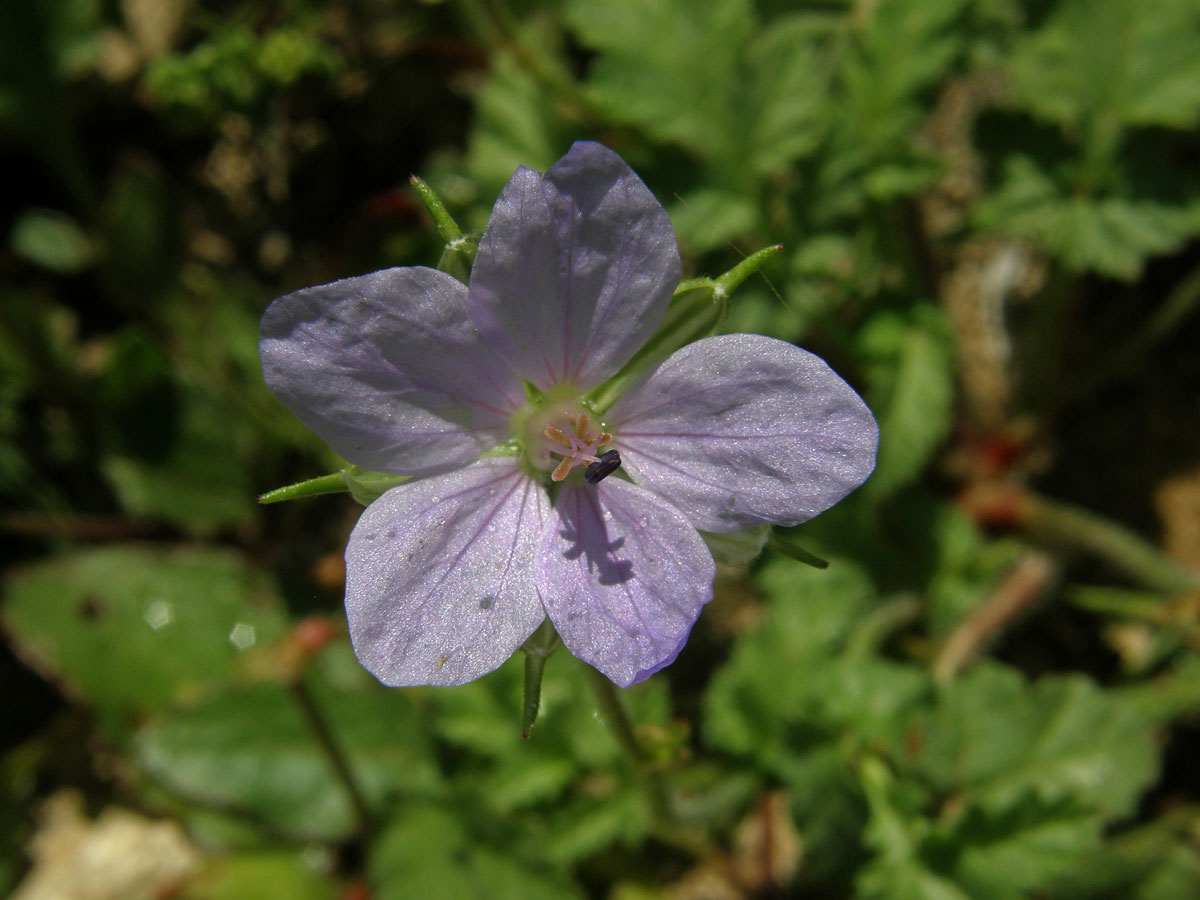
(607, 464)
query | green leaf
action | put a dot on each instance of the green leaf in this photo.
(260, 876)
(1007, 855)
(132, 630)
(784, 104)
(1135, 61)
(994, 738)
(430, 851)
(1112, 235)
(52, 240)
(516, 124)
(795, 703)
(1002, 855)
(967, 567)
(198, 485)
(250, 751)
(910, 370)
(705, 76)
(669, 66)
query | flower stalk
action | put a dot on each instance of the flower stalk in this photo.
(664, 820)
(319, 728)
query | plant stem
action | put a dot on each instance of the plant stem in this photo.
(1121, 548)
(332, 751)
(664, 821)
(1053, 522)
(1021, 588)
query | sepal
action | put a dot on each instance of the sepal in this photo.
(737, 548)
(459, 252)
(367, 487)
(538, 648)
(696, 311)
(783, 541)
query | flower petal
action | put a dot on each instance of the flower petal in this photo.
(575, 269)
(439, 575)
(623, 577)
(740, 429)
(388, 370)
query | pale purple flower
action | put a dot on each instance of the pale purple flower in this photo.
(407, 371)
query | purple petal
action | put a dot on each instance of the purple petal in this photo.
(388, 369)
(575, 269)
(439, 575)
(740, 429)
(623, 576)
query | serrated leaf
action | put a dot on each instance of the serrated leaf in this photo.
(515, 125)
(669, 66)
(705, 76)
(795, 704)
(997, 855)
(1137, 62)
(994, 737)
(1007, 855)
(910, 371)
(787, 94)
(1112, 235)
(133, 630)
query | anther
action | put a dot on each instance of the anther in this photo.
(607, 464)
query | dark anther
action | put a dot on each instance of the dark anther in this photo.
(608, 463)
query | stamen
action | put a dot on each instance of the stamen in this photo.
(580, 447)
(556, 434)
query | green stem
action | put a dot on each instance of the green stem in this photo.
(332, 751)
(334, 483)
(664, 820)
(1061, 523)
(880, 624)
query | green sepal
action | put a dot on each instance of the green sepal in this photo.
(447, 228)
(696, 311)
(737, 548)
(537, 649)
(459, 253)
(781, 540)
(458, 257)
(324, 484)
(367, 487)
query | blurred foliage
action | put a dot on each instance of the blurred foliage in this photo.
(990, 211)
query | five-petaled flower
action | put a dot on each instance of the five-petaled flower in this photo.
(480, 394)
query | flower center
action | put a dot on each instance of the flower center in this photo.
(561, 435)
(575, 444)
